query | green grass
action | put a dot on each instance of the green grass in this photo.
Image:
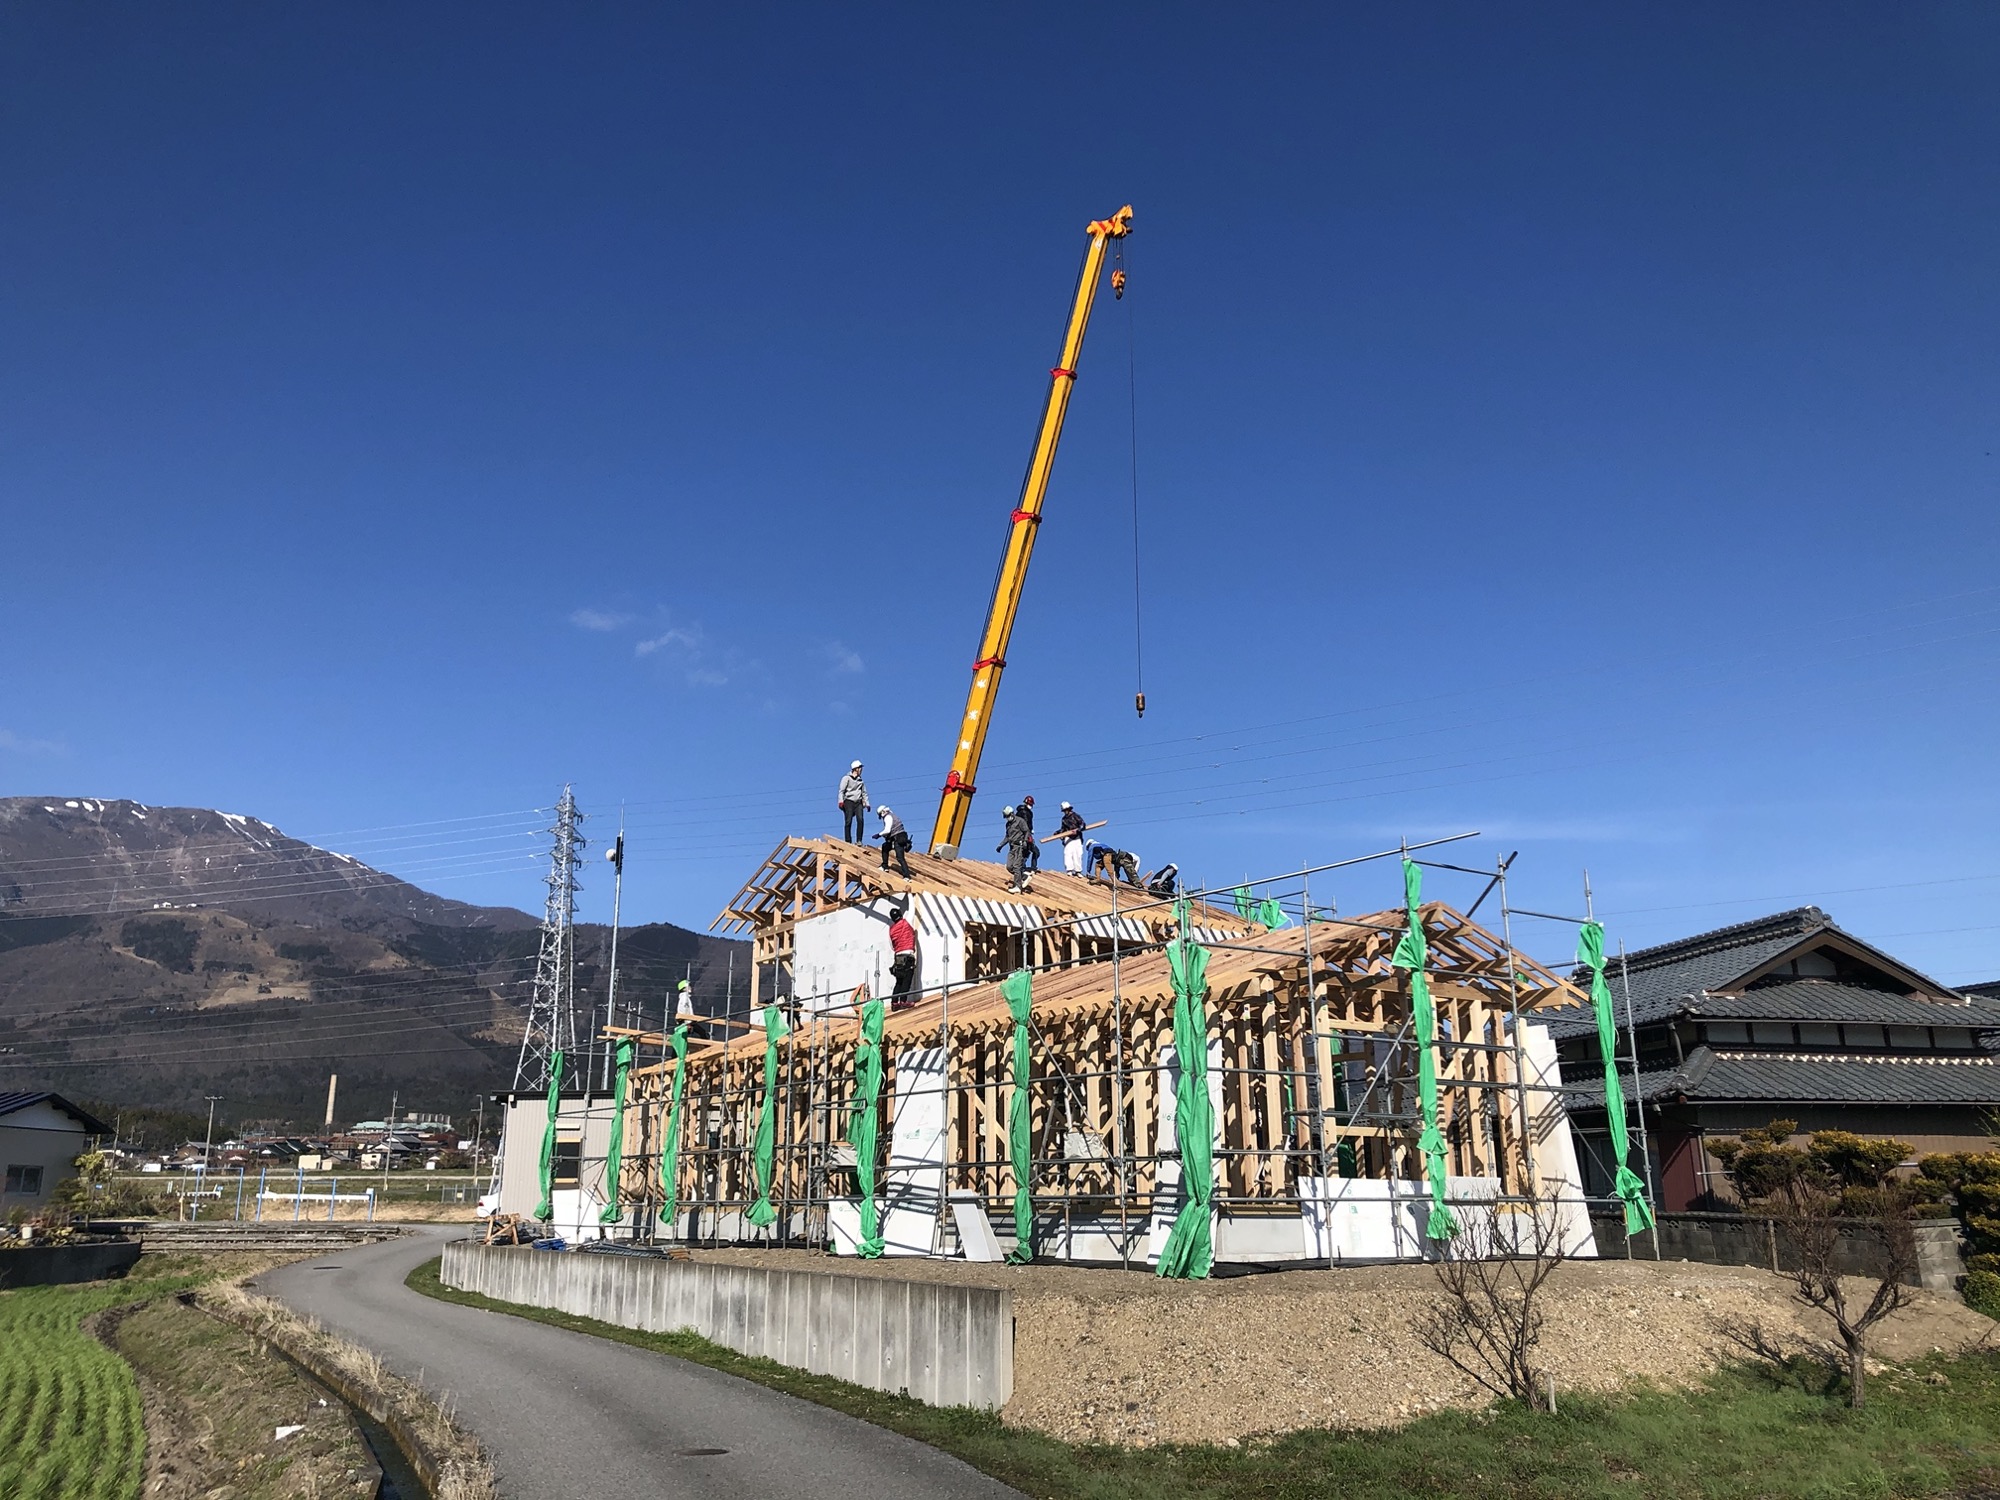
(70, 1424)
(1750, 1432)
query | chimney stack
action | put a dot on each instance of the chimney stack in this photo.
(332, 1083)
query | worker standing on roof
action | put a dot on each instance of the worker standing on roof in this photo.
(902, 959)
(1070, 831)
(895, 840)
(853, 798)
(1025, 811)
(1016, 842)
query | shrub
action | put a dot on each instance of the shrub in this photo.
(1982, 1292)
(168, 943)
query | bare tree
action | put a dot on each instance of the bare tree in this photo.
(1487, 1322)
(1810, 1221)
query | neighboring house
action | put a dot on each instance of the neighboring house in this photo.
(1786, 1017)
(577, 1190)
(41, 1136)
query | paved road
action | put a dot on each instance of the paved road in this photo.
(564, 1414)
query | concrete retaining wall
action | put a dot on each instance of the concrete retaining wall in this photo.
(1755, 1240)
(947, 1345)
(59, 1265)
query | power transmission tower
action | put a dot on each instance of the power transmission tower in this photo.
(552, 1010)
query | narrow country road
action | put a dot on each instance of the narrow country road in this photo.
(565, 1415)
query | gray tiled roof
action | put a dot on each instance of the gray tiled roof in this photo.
(1715, 1076)
(1822, 1000)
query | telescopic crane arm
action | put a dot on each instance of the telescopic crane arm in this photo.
(955, 807)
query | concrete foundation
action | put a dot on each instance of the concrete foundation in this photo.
(946, 1345)
(59, 1265)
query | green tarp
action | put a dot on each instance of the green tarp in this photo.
(868, 1125)
(614, 1153)
(761, 1213)
(1411, 953)
(1016, 989)
(1590, 954)
(670, 1142)
(547, 1205)
(1268, 913)
(1190, 1247)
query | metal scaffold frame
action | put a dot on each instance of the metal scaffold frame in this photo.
(1310, 1031)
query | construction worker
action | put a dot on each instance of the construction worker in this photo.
(902, 959)
(1016, 842)
(853, 798)
(683, 1001)
(1070, 831)
(895, 840)
(1113, 864)
(1025, 811)
(1164, 882)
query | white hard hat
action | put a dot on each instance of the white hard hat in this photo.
(855, 766)
(1065, 807)
(1006, 812)
(882, 811)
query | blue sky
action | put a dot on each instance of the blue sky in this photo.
(1574, 423)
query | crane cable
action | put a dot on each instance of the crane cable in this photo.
(1118, 279)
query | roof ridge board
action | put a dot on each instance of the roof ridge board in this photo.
(1795, 922)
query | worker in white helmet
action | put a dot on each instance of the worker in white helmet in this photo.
(895, 840)
(1070, 831)
(853, 799)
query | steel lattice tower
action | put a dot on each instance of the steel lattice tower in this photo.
(552, 1010)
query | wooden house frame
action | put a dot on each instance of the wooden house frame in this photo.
(1312, 1061)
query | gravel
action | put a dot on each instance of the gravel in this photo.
(1123, 1357)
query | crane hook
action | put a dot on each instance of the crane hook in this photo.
(1118, 284)
(1139, 702)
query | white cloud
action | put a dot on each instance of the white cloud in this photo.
(706, 677)
(681, 638)
(843, 660)
(598, 619)
(21, 744)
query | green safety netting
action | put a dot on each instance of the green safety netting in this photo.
(1411, 953)
(1016, 989)
(1590, 954)
(761, 1213)
(1190, 1247)
(614, 1152)
(547, 1205)
(1266, 913)
(670, 1141)
(868, 1124)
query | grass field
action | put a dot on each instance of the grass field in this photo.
(70, 1423)
(1930, 1430)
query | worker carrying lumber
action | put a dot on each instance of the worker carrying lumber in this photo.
(1025, 810)
(895, 840)
(1164, 882)
(902, 959)
(853, 798)
(1070, 830)
(1016, 842)
(1112, 864)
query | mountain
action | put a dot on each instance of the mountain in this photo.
(157, 955)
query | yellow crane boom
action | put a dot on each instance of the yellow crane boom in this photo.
(955, 806)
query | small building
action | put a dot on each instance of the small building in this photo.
(577, 1193)
(41, 1136)
(1786, 1017)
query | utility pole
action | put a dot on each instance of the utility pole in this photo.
(478, 1135)
(213, 1100)
(616, 854)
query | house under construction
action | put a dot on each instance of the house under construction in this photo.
(1313, 1063)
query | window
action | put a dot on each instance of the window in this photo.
(1910, 1038)
(1818, 1034)
(1771, 1033)
(26, 1180)
(1721, 1033)
(1865, 1036)
(568, 1163)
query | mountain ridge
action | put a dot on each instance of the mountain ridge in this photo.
(155, 955)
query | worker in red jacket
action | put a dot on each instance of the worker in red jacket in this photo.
(902, 959)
